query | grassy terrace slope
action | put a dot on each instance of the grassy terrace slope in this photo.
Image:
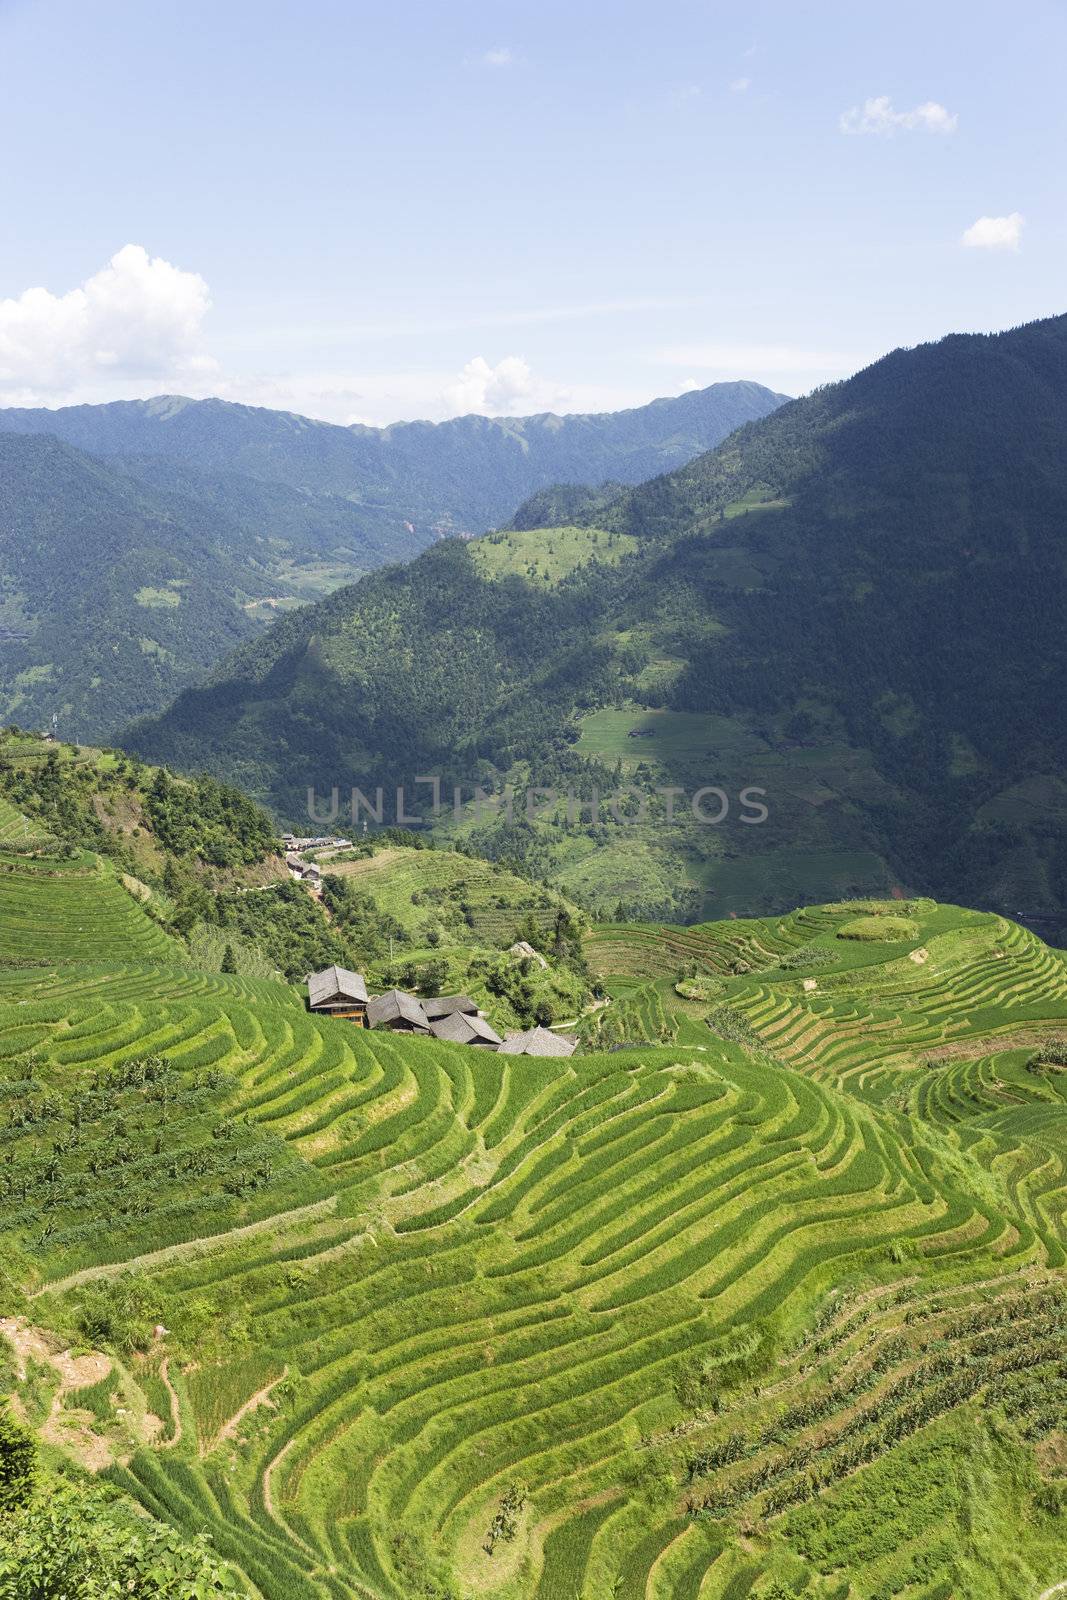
(697, 1321)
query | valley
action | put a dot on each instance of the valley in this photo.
(141, 541)
(807, 609)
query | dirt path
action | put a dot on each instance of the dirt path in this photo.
(229, 1429)
(72, 1372)
(268, 1498)
(1057, 1588)
(189, 1249)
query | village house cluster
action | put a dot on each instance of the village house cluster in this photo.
(337, 992)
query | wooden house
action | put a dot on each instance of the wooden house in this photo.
(336, 992)
(397, 1011)
(449, 1005)
(538, 1042)
(459, 1027)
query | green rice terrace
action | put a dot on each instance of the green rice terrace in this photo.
(761, 1294)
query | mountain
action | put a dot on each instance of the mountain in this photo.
(854, 605)
(240, 513)
(112, 595)
(459, 476)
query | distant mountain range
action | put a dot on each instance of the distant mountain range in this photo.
(140, 541)
(460, 476)
(855, 604)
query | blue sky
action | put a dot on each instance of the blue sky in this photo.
(373, 212)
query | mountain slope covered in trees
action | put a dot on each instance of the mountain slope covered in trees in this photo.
(855, 604)
(113, 595)
(461, 476)
(140, 541)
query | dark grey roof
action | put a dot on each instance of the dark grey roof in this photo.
(396, 1006)
(445, 1005)
(459, 1028)
(538, 1042)
(335, 983)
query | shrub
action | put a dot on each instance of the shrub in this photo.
(18, 1464)
(888, 929)
(1051, 1055)
(77, 1543)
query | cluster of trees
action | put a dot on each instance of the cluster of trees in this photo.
(1050, 1058)
(81, 1539)
(208, 820)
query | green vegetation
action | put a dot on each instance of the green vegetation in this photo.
(78, 1543)
(770, 1306)
(115, 595)
(884, 928)
(126, 571)
(547, 555)
(797, 613)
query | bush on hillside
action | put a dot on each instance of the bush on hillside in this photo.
(18, 1464)
(1049, 1058)
(877, 928)
(78, 1542)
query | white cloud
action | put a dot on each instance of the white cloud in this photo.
(739, 85)
(507, 390)
(499, 56)
(137, 318)
(994, 233)
(878, 116)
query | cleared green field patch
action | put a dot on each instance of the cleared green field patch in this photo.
(666, 738)
(547, 555)
(470, 900)
(158, 599)
(758, 498)
(17, 830)
(883, 929)
(60, 911)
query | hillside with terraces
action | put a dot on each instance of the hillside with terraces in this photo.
(761, 1294)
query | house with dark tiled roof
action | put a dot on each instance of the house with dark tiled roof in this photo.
(397, 1011)
(538, 1042)
(461, 1028)
(337, 992)
(447, 1005)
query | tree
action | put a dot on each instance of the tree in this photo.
(528, 931)
(77, 1542)
(229, 960)
(18, 1464)
(432, 975)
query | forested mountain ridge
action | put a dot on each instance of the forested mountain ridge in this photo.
(219, 516)
(463, 475)
(856, 603)
(113, 595)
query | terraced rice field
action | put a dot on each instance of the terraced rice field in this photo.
(720, 1316)
(18, 830)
